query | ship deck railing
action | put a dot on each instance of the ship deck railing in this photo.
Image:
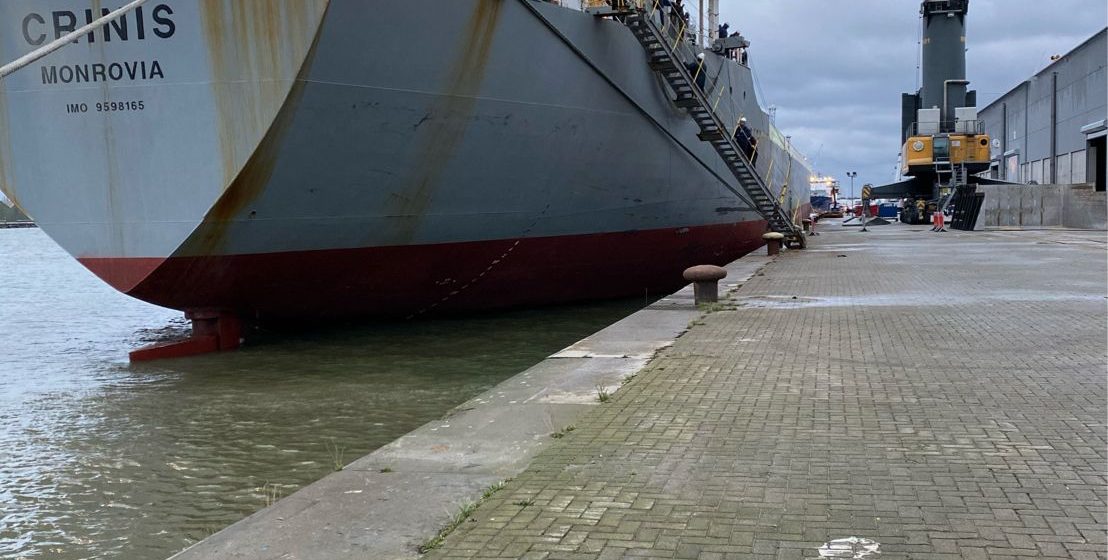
(682, 35)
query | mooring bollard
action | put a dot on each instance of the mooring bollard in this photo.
(705, 279)
(773, 242)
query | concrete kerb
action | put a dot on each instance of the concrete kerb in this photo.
(388, 503)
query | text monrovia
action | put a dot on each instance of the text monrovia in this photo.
(93, 73)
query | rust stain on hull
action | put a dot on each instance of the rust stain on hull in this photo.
(246, 186)
(248, 40)
(448, 119)
(115, 201)
(269, 24)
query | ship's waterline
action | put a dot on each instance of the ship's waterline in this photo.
(435, 278)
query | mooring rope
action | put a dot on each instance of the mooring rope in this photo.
(67, 39)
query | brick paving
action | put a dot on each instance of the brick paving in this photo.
(942, 395)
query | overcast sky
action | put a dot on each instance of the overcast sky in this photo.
(835, 69)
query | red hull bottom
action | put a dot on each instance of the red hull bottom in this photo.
(416, 280)
(212, 331)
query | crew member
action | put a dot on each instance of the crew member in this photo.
(698, 71)
(749, 142)
(678, 10)
(733, 52)
(744, 138)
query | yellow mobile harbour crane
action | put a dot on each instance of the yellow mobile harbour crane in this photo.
(944, 142)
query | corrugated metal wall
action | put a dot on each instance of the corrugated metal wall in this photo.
(1020, 121)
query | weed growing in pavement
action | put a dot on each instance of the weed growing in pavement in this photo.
(524, 503)
(716, 307)
(563, 432)
(271, 492)
(465, 511)
(493, 489)
(336, 452)
(602, 394)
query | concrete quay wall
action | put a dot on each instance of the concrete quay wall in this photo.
(1038, 206)
(9, 216)
(386, 504)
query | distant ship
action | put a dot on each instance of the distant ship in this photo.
(822, 193)
(291, 159)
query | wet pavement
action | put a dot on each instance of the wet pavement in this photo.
(895, 394)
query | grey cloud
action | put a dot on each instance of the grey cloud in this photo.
(836, 68)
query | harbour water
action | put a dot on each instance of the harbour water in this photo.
(102, 459)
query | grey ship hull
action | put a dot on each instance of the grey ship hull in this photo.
(395, 158)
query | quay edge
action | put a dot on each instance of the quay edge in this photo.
(13, 218)
(388, 503)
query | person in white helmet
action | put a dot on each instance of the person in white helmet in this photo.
(700, 79)
(744, 137)
(698, 70)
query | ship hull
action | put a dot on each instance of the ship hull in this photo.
(413, 281)
(415, 158)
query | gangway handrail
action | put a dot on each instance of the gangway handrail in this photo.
(703, 98)
(682, 42)
(67, 39)
(739, 194)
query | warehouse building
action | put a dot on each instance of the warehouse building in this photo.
(1051, 129)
